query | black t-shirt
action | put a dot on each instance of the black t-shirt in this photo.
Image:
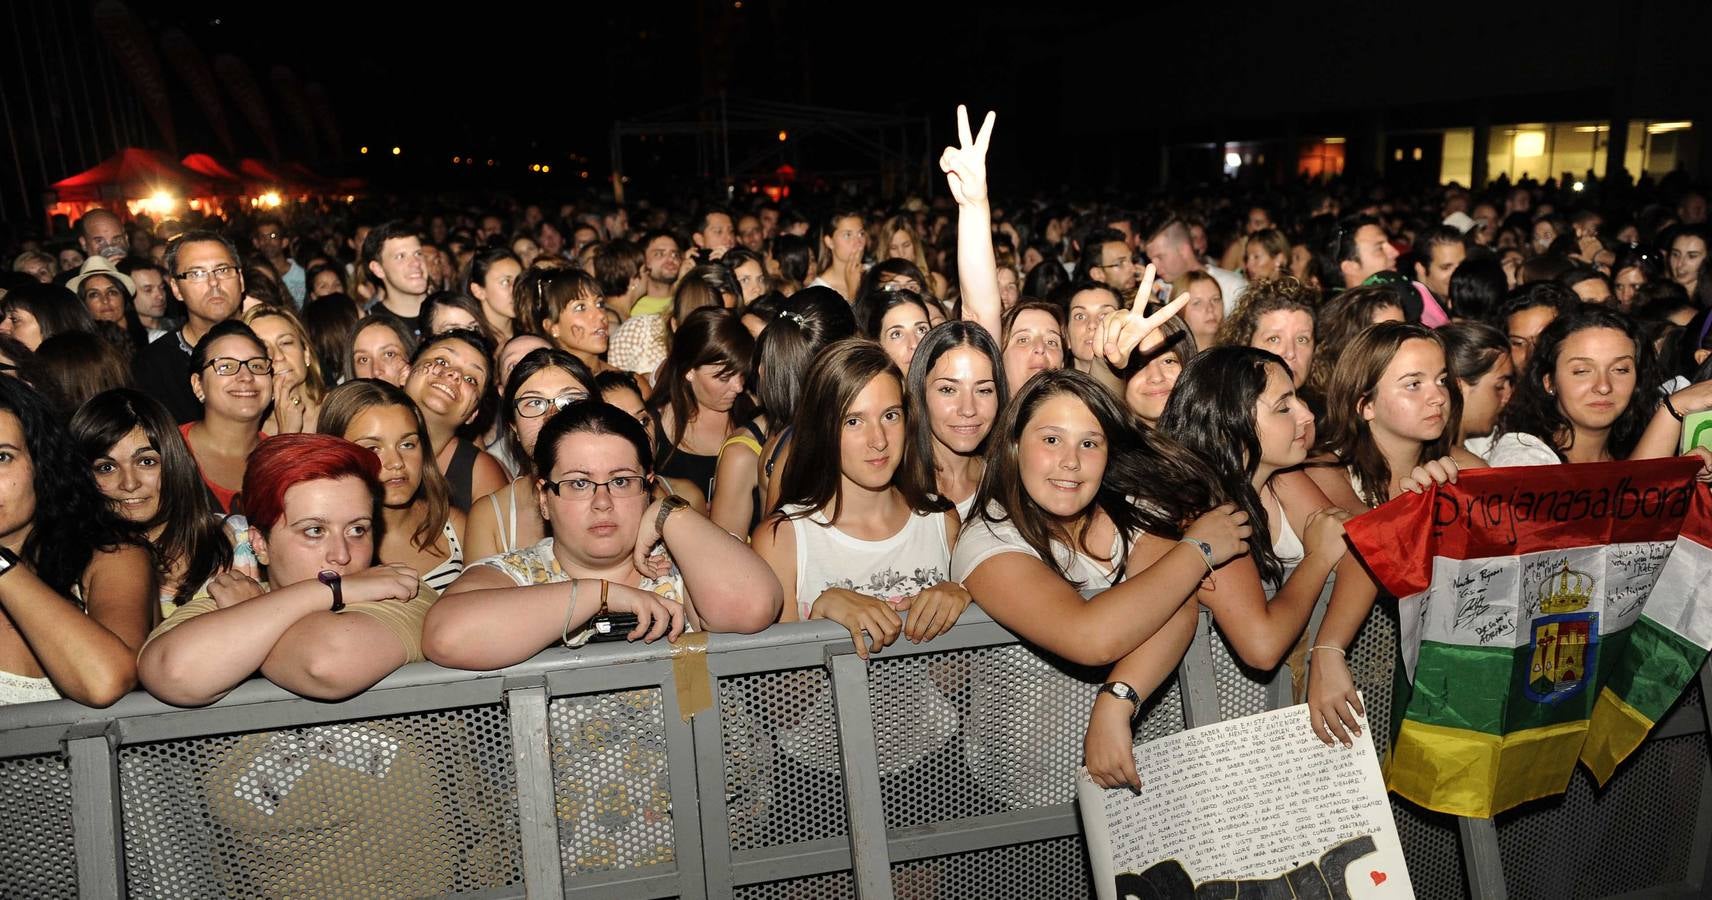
(162, 370)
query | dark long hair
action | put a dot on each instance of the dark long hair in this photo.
(942, 339)
(1150, 484)
(347, 401)
(1211, 413)
(1348, 437)
(708, 336)
(808, 321)
(1535, 411)
(532, 362)
(73, 519)
(55, 308)
(814, 474)
(193, 533)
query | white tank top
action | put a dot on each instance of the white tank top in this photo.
(903, 565)
(1286, 545)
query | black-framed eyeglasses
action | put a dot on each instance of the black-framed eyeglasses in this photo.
(197, 276)
(228, 366)
(618, 486)
(536, 407)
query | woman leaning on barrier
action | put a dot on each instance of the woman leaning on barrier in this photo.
(326, 623)
(1076, 499)
(1392, 409)
(596, 490)
(1236, 409)
(76, 586)
(300, 812)
(857, 537)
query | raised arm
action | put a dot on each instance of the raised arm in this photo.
(88, 654)
(965, 168)
(1021, 593)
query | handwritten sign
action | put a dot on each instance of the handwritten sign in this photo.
(1258, 803)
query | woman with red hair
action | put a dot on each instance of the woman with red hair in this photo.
(326, 623)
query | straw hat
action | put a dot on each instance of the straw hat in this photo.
(100, 265)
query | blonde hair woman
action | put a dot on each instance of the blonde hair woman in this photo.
(298, 385)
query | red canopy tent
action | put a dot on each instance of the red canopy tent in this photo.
(131, 181)
(211, 168)
(263, 177)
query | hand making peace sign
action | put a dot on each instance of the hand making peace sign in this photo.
(1123, 330)
(965, 166)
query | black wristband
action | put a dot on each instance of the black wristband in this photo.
(333, 580)
(1672, 408)
(9, 560)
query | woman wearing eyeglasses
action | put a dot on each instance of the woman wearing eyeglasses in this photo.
(230, 373)
(448, 380)
(596, 494)
(544, 381)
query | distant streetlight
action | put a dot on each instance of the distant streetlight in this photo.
(783, 136)
(364, 151)
(397, 150)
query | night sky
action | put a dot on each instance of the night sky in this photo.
(1088, 92)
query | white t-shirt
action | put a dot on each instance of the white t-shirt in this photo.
(981, 540)
(892, 569)
(1514, 449)
(1231, 284)
(1480, 445)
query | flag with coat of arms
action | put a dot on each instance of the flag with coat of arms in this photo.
(1547, 614)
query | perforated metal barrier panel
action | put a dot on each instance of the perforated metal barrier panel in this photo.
(36, 851)
(782, 780)
(612, 800)
(559, 774)
(406, 806)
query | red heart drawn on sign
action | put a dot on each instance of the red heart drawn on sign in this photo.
(1377, 876)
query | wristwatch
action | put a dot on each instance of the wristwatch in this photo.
(333, 580)
(670, 504)
(8, 559)
(1123, 692)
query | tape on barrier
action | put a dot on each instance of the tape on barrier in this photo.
(689, 671)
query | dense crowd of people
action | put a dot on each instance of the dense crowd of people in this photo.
(465, 432)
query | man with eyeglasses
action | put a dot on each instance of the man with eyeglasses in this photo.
(1107, 259)
(100, 231)
(205, 274)
(270, 240)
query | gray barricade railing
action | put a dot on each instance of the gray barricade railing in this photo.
(941, 769)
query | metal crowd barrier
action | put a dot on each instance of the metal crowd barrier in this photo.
(939, 770)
